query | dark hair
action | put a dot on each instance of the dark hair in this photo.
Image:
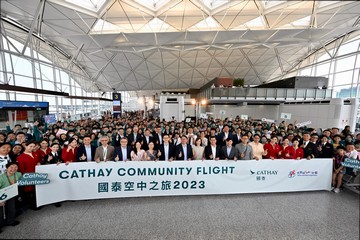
(72, 139)
(5, 143)
(55, 143)
(11, 163)
(30, 142)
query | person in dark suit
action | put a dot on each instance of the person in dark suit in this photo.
(309, 147)
(158, 138)
(146, 139)
(229, 152)
(122, 153)
(325, 149)
(54, 157)
(166, 151)
(134, 137)
(237, 136)
(86, 152)
(225, 134)
(184, 150)
(212, 151)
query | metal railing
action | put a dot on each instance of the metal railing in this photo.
(265, 93)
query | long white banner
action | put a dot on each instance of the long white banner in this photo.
(79, 181)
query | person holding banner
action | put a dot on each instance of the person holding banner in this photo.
(86, 152)
(151, 154)
(8, 208)
(299, 152)
(138, 154)
(44, 149)
(53, 157)
(105, 152)
(69, 152)
(27, 163)
(228, 152)
(272, 149)
(244, 149)
(184, 150)
(122, 153)
(309, 147)
(212, 151)
(257, 147)
(287, 151)
(166, 150)
(338, 169)
(198, 150)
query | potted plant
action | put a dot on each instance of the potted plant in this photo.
(239, 82)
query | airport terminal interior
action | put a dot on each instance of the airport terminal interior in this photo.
(272, 69)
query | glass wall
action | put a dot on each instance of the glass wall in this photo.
(34, 70)
(340, 63)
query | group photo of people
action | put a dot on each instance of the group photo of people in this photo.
(132, 138)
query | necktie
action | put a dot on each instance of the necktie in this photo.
(105, 151)
(124, 154)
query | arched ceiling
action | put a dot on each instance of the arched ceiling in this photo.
(135, 45)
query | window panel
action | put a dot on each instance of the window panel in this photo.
(323, 69)
(8, 63)
(2, 95)
(48, 85)
(64, 77)
(50, 99)
(358, 61)
(25, 97)
(348, 48)
(46, 72)
(24, 81)
(345, 64)
(22, 66)
(343, 78)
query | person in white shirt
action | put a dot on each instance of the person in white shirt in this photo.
(5, 149)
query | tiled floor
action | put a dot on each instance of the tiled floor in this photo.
(305, 215)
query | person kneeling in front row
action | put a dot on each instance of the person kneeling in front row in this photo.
(7, 208)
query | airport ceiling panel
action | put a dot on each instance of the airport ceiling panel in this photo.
(169, 44)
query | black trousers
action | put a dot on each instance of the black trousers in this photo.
(7, 217)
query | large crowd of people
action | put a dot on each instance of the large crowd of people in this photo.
(132, 138)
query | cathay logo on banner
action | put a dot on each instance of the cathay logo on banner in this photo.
(264, 172)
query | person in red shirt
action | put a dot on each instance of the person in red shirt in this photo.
(69, 152)
(27, 163)
(272, 149)
(44, 150)
(299, 152)
(287, 152)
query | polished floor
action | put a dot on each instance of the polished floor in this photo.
(304, 215)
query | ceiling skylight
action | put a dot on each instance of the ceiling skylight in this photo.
(152, 4)
(257, 23)
(157, 25)
(207, 24)
(270, 3)
(303, 22)
(212, 4)
(104, 27)
(93, 5)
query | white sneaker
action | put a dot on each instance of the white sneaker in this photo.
(336, 190)
(332, 188)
